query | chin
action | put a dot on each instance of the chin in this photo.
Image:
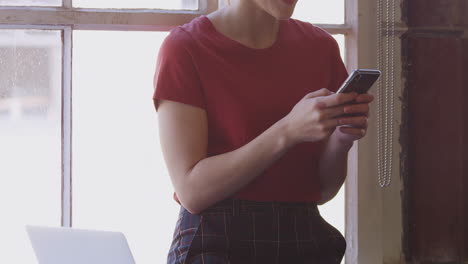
(284, 12)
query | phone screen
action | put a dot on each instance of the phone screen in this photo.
(360, 81)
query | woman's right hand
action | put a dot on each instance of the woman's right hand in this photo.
(316, 116)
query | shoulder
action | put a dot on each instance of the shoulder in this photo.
(183, 38)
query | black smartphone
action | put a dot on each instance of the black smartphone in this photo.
(359, 81)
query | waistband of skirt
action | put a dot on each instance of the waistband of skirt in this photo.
(246, 207)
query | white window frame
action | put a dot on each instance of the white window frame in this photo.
(358, 32)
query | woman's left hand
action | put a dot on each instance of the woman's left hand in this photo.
(355, 126)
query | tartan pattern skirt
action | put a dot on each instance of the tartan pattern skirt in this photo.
(243, 232)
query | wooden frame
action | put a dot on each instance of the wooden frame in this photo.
(373, 214)
(101, 19)
(117, 19)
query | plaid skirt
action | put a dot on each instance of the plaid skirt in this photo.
(239, 231)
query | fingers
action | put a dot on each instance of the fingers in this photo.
(332, 112)
(355, 110)
(342, 104)
(359, 109)
(365, 98)
(357, 122)
(337, 99)
(319, 93)
(345, 114)
(358, 132)
(355, 125)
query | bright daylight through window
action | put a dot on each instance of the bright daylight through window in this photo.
(30, 2)
(30, 140)
(120, 181)
(172, 4)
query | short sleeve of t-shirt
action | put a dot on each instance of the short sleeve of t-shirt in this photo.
(338, 71)
(176, 77)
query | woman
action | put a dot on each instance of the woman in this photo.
(254, 136)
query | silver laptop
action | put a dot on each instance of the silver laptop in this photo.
(62, 245)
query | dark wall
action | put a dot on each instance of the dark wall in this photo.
(435, 57)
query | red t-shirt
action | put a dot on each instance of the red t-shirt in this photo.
(245, 91)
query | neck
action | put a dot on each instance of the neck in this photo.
(247, 23)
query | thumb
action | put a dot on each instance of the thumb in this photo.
(321, 92)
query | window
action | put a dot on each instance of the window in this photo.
(30, 171)
(30, 2)
(168, 5)
(113, 125)
(79, 148)
(328, 12)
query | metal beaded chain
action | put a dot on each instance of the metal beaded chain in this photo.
(385, 93)
(392, 91)
(379, 88)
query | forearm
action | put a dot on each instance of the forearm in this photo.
(218, 177)
(333, 168)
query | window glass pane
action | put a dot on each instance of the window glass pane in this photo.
(321, 12)
(334, 212)
(30, 2)
(340, 38)
(119, 176)
(30, 137)
(158, 4)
